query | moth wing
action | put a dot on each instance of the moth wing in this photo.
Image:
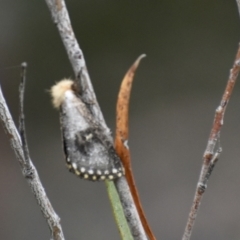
(88, 153)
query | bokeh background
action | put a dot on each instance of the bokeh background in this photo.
(190, 47)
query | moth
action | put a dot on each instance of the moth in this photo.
(89, 151)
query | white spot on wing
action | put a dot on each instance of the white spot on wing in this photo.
(119, 174)
(74, 165)
(90, 171)
(89, 137)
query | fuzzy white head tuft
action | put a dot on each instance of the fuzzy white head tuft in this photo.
(58, 91)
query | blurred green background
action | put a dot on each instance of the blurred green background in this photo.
(190, 47)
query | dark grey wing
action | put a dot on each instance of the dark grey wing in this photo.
(89, 154)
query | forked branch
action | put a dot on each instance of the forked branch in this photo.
(19, 145)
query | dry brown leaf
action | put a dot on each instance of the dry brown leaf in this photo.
(121, 140)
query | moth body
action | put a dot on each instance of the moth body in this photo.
(89, 151)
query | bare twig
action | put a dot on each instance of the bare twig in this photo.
(121, 140)
(129, 209)
(210, 168)
(29, 171)
(209, 157)
(21, 127)
(61, 19)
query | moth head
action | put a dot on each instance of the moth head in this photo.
(58, 91)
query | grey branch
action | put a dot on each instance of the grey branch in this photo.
(211, 156)
(129, 209)
(61, 19)
(21, 127)
(29, 171)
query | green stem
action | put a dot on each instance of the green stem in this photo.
(118, 212)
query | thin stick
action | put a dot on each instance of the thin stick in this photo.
(211, 166)
(129, 209)
(29, 171)
(208, 157)
(21, 127)
(121, 139)
(61, 19)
